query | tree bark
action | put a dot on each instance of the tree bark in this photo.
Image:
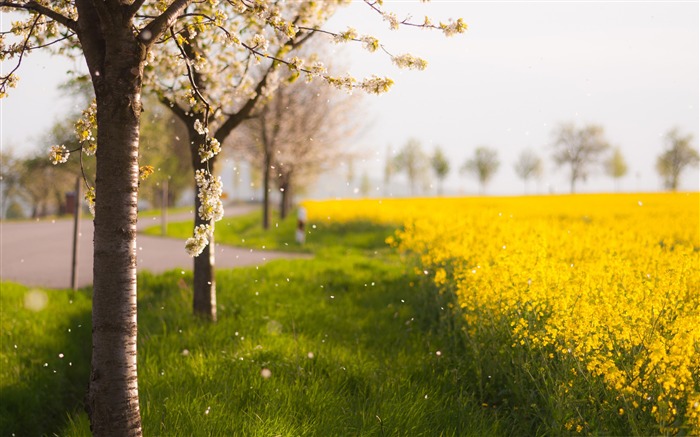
(116, 68)
(267, 161)
(204, 292)
(285, 198)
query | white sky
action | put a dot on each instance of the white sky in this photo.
(521, 68)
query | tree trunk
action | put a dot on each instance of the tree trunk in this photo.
(204, 293)
(116, 69)
(267, 161)
(285, 199)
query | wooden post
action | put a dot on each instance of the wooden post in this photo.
(76, 235)
(164, 208)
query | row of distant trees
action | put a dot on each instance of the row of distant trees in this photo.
(579, 150)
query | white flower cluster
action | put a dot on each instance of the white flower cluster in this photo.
(86, 129)
(453, 27)
(317, 69)
(209, 194)
(348, 35)
(210, 149)
(259, 42)
(344, 83)
(370, 43)
(296, 63)
(392, 19)
(376, 84)
(59, 154)
(195, 245)
(409, 61)
(200, 128)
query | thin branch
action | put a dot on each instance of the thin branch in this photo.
(190, 76)
(5, 79)
(48, 44)
(43, 10)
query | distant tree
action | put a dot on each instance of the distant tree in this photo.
(365, 184)
(44, 185)
(388, 169)
(10, 188)
(293, 136)
(412, 160)
(484, 164)
(528, 165)
(441, 167)
(678, 155)
(616, 166)
(579, 149)
(164, 147)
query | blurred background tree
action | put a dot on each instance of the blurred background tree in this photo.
(579, 149)
(413, 161)
(163, 146)
(616, 167)
(528, 166)
(484, 165)
(297, 132)
(440, 166)
(678, 155)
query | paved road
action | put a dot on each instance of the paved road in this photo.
(38, 253)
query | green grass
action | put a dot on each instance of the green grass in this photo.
(156, 212)
(246, 231)
(44, 357)
(351, 340)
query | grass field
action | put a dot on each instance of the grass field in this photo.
(343, 344)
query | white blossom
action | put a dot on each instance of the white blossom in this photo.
(296, 63)
(199, 127)
(348, 35)
(370, 43)
(211, 148)
(90, 199)
(392, 19)
(409, 61)
(260, 42)
(196, 244)
(209, 193)
(453, 27)
(376, 84)
(59, 154)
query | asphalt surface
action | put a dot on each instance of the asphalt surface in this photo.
(39, 253)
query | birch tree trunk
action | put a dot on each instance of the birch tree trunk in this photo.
(115, 63)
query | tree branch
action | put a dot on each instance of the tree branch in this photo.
(156, 28)
(175, 108)
(133, 8)
(43, 10)
(7, 79)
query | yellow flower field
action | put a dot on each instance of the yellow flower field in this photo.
(590, 292)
